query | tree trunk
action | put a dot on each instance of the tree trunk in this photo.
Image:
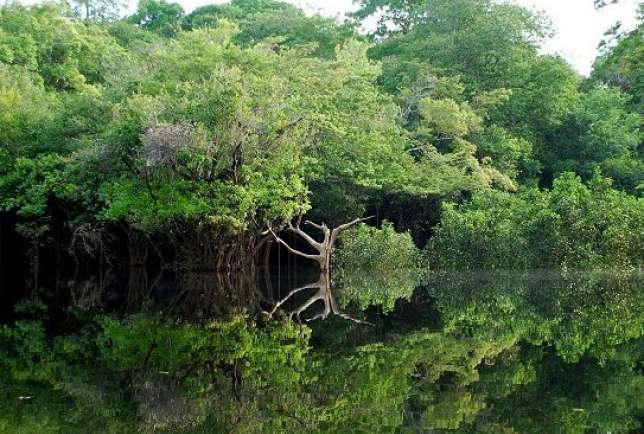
(323, 248)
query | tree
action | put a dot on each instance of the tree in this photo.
(324, 294)
(376, 267)
(429, 48)
(603, 3)
(599, 131)
(290, 27)
(68, 56)
(485, 42)
(102, 11)
(537, 107)
(573, 225)
(159, 16)
(324, 248)
(620, 65)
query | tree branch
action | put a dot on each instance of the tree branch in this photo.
(350, 318)
(336, 310)
(285, 299)
(320, 295)
(291, 249)
(315, 225)
(309, 239)
(336, 231)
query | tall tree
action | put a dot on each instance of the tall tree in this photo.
(621, 64)
(159, 16)
(101, 11)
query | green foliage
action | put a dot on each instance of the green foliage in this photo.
(291, 28)
(243, 115)
(280, 23)
(483, 41)
(67, 55)
(127, 345)
(209, 132)
(102, 11)
(518, 351)
(25, 352)
(454, 67)
(159, 16)
(579, 313)
(599, 131)
(249, 151)
(538, 105)
(379, 250)
(261, 112)
(376, 266)
(218, 126)
(620, 65)
(79, 374)
(551, 121)
(572, 226)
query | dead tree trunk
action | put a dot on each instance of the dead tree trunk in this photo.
(324, 248)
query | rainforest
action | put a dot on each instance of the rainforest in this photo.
(247, 218)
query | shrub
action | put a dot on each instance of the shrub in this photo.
(377, 266)
(574, 225)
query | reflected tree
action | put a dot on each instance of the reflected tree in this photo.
(323, 294)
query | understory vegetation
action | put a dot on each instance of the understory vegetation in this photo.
(573, 225)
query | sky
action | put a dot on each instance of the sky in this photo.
(579, 27)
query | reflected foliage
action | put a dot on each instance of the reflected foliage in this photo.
(511, 353)
(151, 167)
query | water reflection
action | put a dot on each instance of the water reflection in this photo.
(499, 352)
(192, 295)
(208, 295)
(323, 293)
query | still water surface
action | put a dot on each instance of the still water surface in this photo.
(488, 352)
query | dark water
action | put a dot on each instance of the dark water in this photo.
(295, 351)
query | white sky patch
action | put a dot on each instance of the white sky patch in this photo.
(580, 28)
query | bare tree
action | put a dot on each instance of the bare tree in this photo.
(324, 248)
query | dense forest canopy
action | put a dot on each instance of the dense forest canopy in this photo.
(240, 116)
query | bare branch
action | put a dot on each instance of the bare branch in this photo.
(291, 249)
(321, 315)
(290, 294)
(309, 239)
(321, 295)
(336, 310)
(336, 231)
(350, 318)
(315, 225)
